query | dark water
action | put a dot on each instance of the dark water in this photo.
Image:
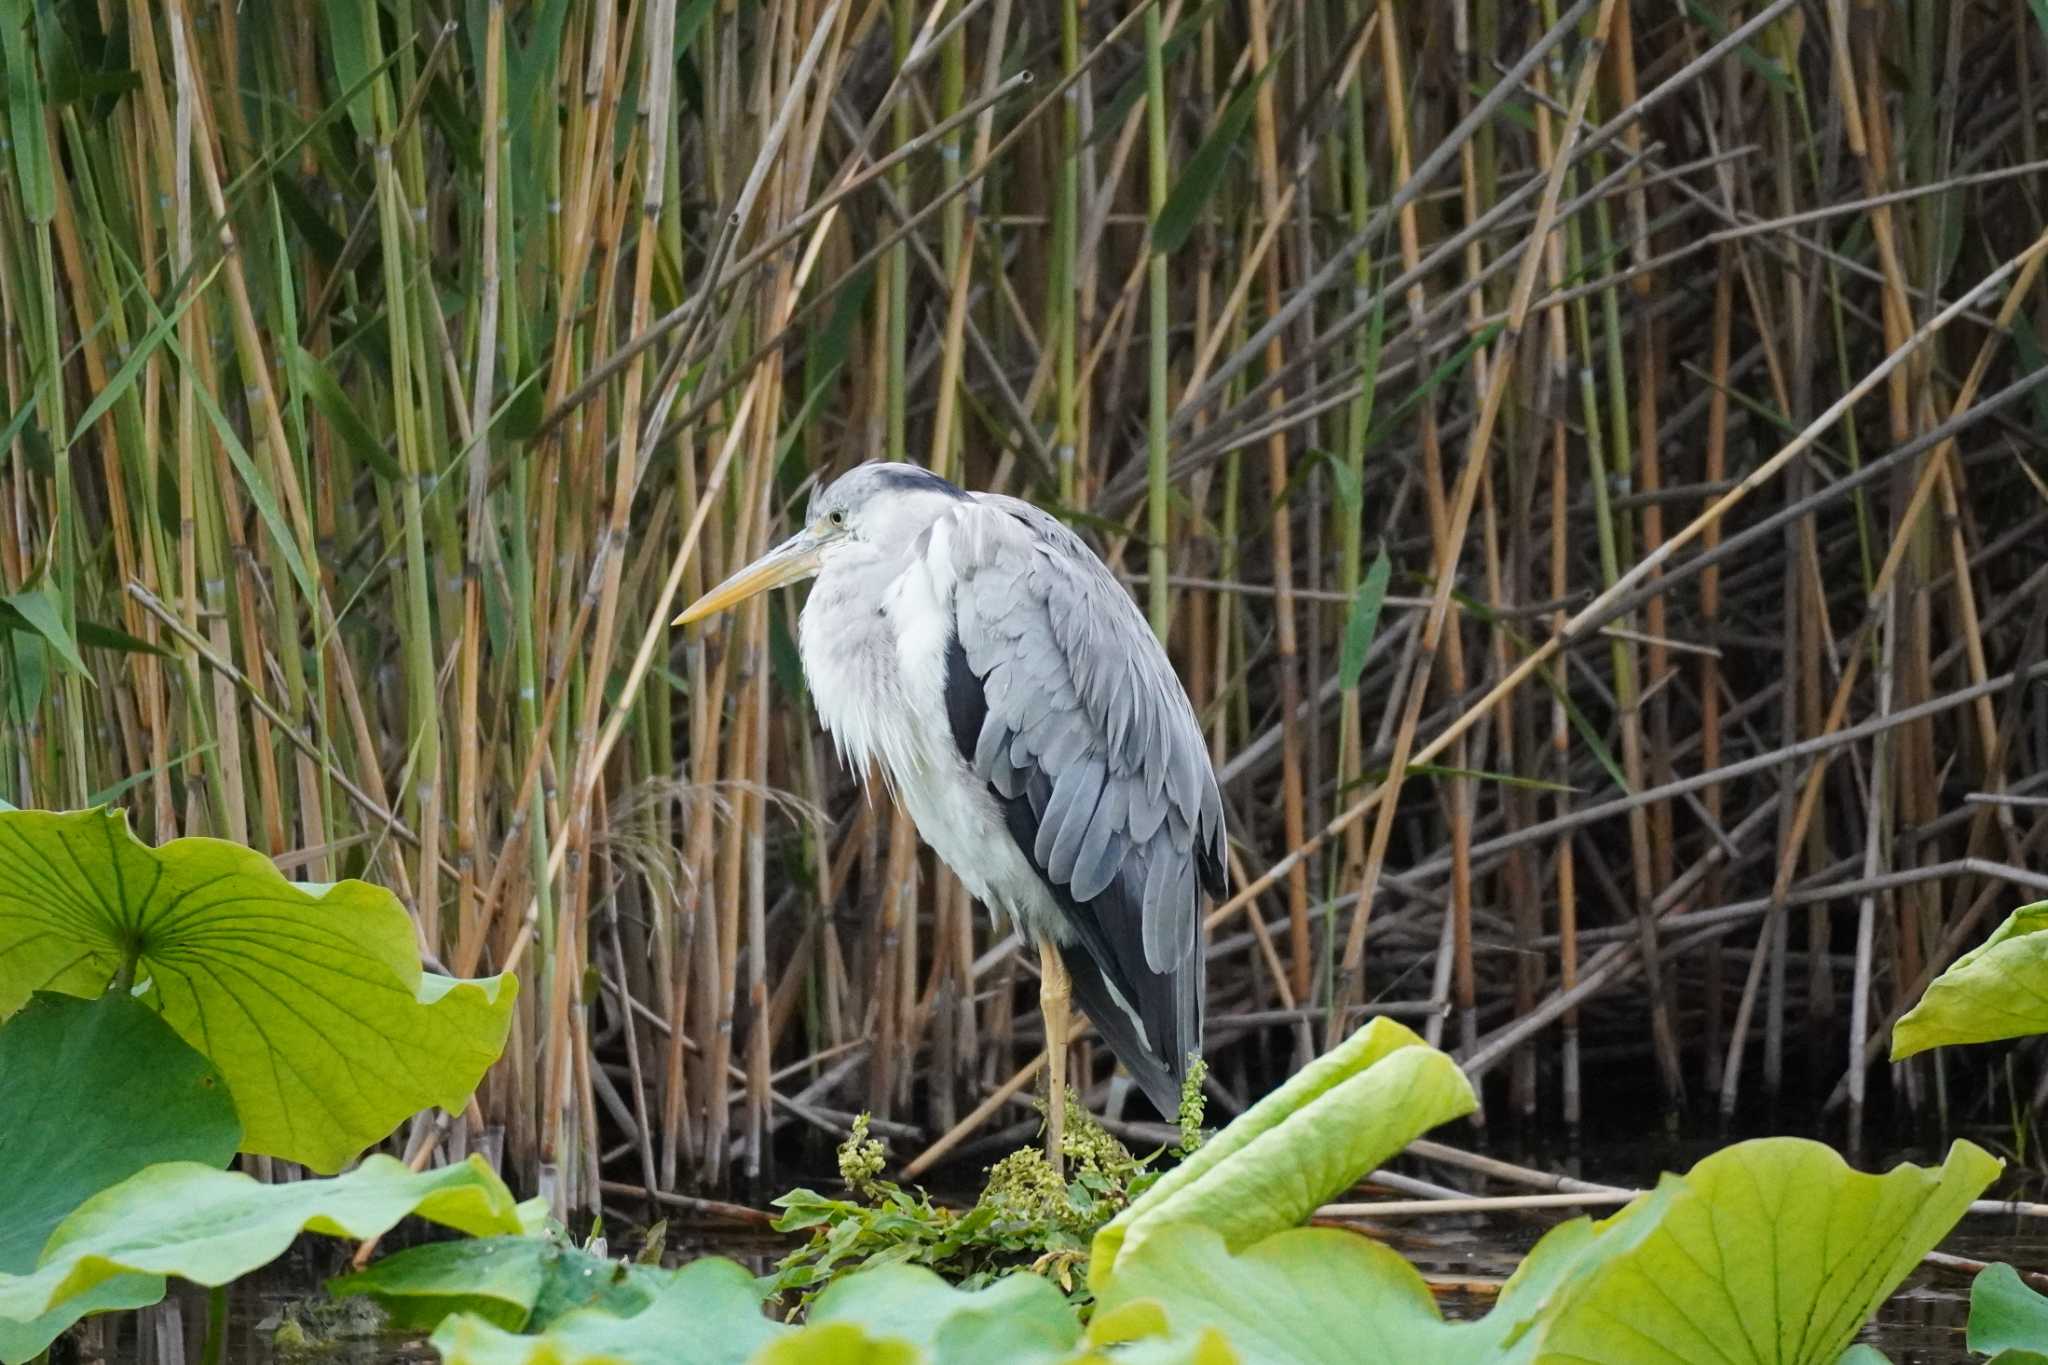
(1922, 1324)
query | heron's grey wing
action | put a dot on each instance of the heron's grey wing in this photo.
(1064, 702)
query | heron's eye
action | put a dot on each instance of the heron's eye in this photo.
(837, 517)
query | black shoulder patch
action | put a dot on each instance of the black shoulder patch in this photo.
(966, 702)
(910, 478)
(1210, 865)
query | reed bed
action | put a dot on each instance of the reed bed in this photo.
(1586, 460)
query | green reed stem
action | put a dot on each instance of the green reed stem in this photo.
(1160, 608)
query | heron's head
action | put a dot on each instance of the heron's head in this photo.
(871, 513)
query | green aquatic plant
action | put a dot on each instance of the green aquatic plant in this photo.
(150, 1098)
(1027, 1215)
(1768, 1251)
(909, 1313)
(309, 998)
(212, 1227)
(1334, 1121)
(1193, 1109)
(2008, 1321)
(1773, 1250)
(95, 1091)
(162, 1009)
(519, 1282)
(313, 1329)
(709, 1313)
(713, 1305)
(861, 1159)
(1997, 990)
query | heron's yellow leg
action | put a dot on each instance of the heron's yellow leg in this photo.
(1054, 993)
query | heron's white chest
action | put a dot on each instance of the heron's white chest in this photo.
(875, 658)
(877, 674)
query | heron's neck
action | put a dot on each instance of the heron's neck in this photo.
(846, 605)
(848, 639)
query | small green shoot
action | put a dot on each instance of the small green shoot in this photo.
(1025, 1216)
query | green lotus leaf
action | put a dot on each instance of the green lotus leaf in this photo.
(1136, 1332)
(2008, 1321)
(837, 1343)
(1567, 1255)
(1768, 1251)
(1999, 989)
(707, 1313)
(95, 1091)
(1863, 1355)
(210, 1226)
(1772, 1250)
(517, 1283)
(26, 1338)
(1307, 1296)
(1020, 1318)
(310, 1000)
(1337, 1119)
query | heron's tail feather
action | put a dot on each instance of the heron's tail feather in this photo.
(1154, 1063)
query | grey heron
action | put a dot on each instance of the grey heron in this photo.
(1026, 717)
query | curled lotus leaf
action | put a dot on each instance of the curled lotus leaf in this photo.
(1997, 990)
(1311, 1139)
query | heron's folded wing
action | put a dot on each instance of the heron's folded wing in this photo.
(1084, 728)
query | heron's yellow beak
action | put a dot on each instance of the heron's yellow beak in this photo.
(792, 561)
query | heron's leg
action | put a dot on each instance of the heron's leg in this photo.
(1054, 993)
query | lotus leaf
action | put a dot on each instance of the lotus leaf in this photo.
(95, 1091)
(1306, 1296)
(707, 1313)
(1999, 989)
(1138, 1333)
(310, 1000)
(1337, 1119)
(1772, 1250)
(837, 1343)
(210, 1226)
(1567, 1256)
(2008, 1321)
(518, 1283)
(1019, 1318)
